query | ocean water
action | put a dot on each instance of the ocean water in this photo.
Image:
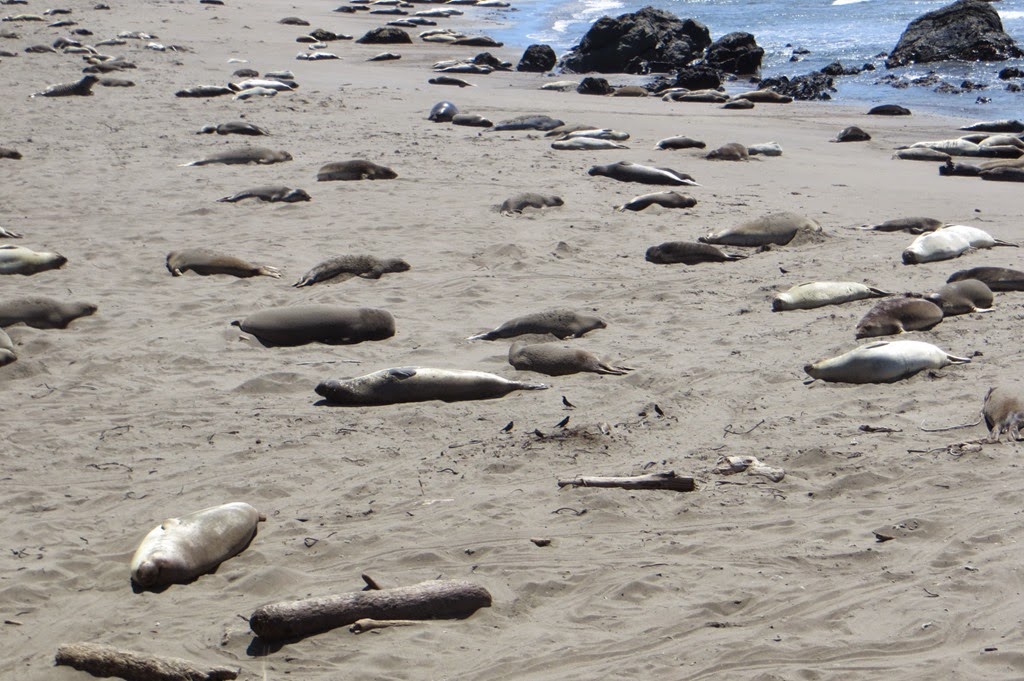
(853, 32)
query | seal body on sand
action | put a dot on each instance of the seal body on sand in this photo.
(943, 244)
(418, 384)
(519, 202)
(897, 315)
(1005, 125)
(7, 152)
(243, 156)
(273, 193)
(82, 88)
(852, 134)
(773, 228)
(180, 549)
(329, 324)
(1004, 413)
(687, 253)
(882, 362)
(42, 313)
(366, 266)
(680, 142)
(529, 122)
(996, 278)
(733, 151)
(205, 262)
(554, 360)
(232, 128)
(922, 154)
(1003, 174)
(356, 169)
(977, 238)
(624, 171)
(914, 225)
(472, 120)
(21, 260)
(821, 293)
(764, 97)
(561, 324)
(449, 80)
(6, 349)
(586, 144)
(663, 199)
(443, 112)
(963, 297)
(889, 110)
(205, 91)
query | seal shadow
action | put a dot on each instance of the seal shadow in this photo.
(259, 648)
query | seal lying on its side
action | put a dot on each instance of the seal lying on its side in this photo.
(561, 324)
(820, 293)
(418, 384)
(357, 169)
(1004, 413)
(687, 253)
(205, 262)
(962, 297)
(517, 203)
(882, 362)
(366, 266)
(554, 360)
(996, 278)
(232, 128)
(329, 324)
(625, 171)
(21, 260)
(245, 155)
(668, 199)
(773, 228)
(897, 315)
(273, 194)
(42, 313)
(6, 349)
(914, 225)
(680, 142)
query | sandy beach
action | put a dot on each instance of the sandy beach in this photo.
(156, 406)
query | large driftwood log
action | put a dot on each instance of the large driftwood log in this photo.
(100, 660)
(666, 480)
(436, 599)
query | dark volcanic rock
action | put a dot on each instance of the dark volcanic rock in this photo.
(646, 41)
(594, 86)
(1010, 72)
(537, 59)
(698, 77)
(837, 69)
(967, 30)
(385, 35)
(814, 85)
(736, 52)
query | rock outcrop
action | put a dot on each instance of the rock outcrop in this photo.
(736, 52)
(537, 59)
(967, 30)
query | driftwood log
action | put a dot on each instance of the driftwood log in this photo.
(435, 599)
(666, 480)
(100, 660)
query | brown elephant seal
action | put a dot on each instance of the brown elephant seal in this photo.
(882, 362)
(328, 324)
(773, 228)
(680, 142)
(687, 253)
(954, 169)
(963, 297)
(851, 134)
(205, 262)
(1003, 411)
(561, 324)
(81, 88)
(516, 204)
(996, 278)
(913, 225)
(357, 169)
(7, 354)
(765, 96)
(365, 266)
(540, 122)
(272, 193)
(180, 549)
(21, 260)
(8, 234)
(554, 360)
(246, 155)
(625, 171)
(897, 315)
(42, 313)
(668, 199)
(630, 91)
(739, 105)
(733, 151)
(232, 128)
(821, 293)
(418, 384)
(1003, 174)
(472, 120)
(205, 91)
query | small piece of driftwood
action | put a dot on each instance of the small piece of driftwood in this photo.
(435, 599)
(665, 480)
(367, 624)
(727, 465)
(100, 660)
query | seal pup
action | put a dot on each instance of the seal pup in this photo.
(7, 355)
(962, 297)
(356, 169)
(996, 278)
(953, 169)
(205, 262)
(625, 171)
(418, 384)
(687, 253)
(42, 313)
(249, 93)
(449, 80)
(943, 244)
(765, 149)
(180, 549)
(1003, 411)
(443, 112)
(977, 238)
(516, 204)
(272, 193)
(882, 362)
(680, 142)
(594, 133)
(232, 128)
(821, 293)
(21, 260)
(246, 155)
(472, 120)
(586, 144)
(668, 199)
(555, 360)
(365, 266)
(82, 88)
(851, 134)
(774, 228)
(738, 104)
(1002, 174)
(897, 315)
(560, 323)
(913, 225)
(328, 324)
(733, 151)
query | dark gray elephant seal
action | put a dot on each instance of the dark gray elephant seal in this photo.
(561, 324)
(7, 152)
(205, 262)
(896, 315)
(680, 142)
(418, 384)
(773, 228)
(443, 112)
(996, 278)
(914, 225)
(554, 360)
(472, 120)
(664, 199)
(1002, 174)
(519, 202)
(205, 91)
(733, 151)
(625, 171)
(851, 134)
(232, 128)
(7, 354)
(449, 80)
(272, 193)
(1003, 411)
(529, 122)
(366, 266)
(329, 324)
(82, 88)
(687, 253)
(356, 169)
(889, 110)
(260, 155)
(963, 297)
(42, 313)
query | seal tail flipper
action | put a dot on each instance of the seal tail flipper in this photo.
(268, 271)
(225, 199)
(187, 165)
(878, 293)
(531, 386)
(953, 359)
(999, 242)
(487, 335)
(735, 256)
(603, 368)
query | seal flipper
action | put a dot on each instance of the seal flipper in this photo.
(999, 242)
(878, 293)
(401, 373)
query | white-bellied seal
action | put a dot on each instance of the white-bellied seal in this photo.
(356, 169)
(7, 354)
(82, 88)
(667, 199)
(1003, 411)
(516, 204)
(680, 142)
(329, 324)
(42, 313)
(773, 228)
(180, 549)
(731, 151)
(586, 144)
(963, 297)
(281, 85)
(21, 260)
(418, 384)
(556, 360)
(851, 134)
(996, 278)
(365, 266)
(561, 324)
(205, 262)
(913, 225)
(443, 112)
(821, 293)
(245, 155)
(251, 92)
(687, 253)
(943, 244)
(625, 171)
(232, 128)
(882, 362)
(272, 193)
(897, 315)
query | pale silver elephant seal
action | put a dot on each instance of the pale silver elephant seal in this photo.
(246, 155)
(882, 362)
(996, 278)
(356, 169)
(814, 294)
(82, 88)
(21, 260)
(181, 549)
(687, 253)
(561, 324)
(42, 313)
(668, 199)
(963, 297)
(272, 193)
(913, 225)
(516, 204)
(555, 360)
(1004, 413)
(418, 384)
(897, 315)
(366, 266)
(328, 324)
(205, 262)
(625, 171)
(773, 228)
(6, 349)
(943, 244)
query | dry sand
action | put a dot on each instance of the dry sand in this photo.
(156, 406)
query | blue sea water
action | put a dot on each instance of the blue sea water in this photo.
(853, 32)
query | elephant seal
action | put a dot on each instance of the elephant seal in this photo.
(913, 225)
(245, 155)
(664, 199)
(922, 154)
(560, 323)
(529, 122)
(1003, 411)
(586, 144)
(232, 128)
(42, 313)
(738, 104)
(472, 120)
(7, 355)
(328, 324)
(1006, 125)
(366, 266)
(629, 91)
(418, 384)
(953, 169)
(251, 92)
(851, 134)
(765, 149)
(687, 253)
(680, 142)
(205, 262)
(943, 244)
(205, 91)
(1003, 174)
(978, 238)
(733, 151)
(595, 133)
(180, 549)
(7, 152)
(882, 362)
(625, 171)
(21, 260)
(82, 88)
(996, 278)
(765, 96)
(897, 315)
(821, 293)
(962, 297)
(516, 204)
(773, 228)
(555, 360)
(449, 80)
(273, 194)
(443, 112)
(8, 234)
(889, 110)
(356, 169)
